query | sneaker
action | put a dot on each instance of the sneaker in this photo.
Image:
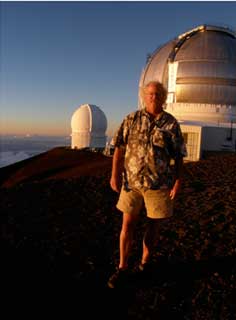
(118, 278)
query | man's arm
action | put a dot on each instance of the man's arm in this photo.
(117, 169)
(178, 177)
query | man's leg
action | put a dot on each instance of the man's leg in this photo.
(126, 238)
(130, 203)
(150, 239)
(126, 241)
(159, 206)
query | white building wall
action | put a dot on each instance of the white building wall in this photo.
(213, 113)
(98, 141)
(87, 140)
(199, 139)
(80, 140)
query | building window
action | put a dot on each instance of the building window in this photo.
(191, 140)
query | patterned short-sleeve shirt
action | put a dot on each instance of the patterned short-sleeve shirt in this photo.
(149, 146)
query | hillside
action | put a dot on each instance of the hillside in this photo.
(60, 231)
(58, 163)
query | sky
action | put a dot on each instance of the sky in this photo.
(56, 56)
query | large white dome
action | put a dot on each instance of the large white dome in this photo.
(89, 125)
(199, 70)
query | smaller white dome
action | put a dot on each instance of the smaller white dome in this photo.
(89, 125)
(90, 118)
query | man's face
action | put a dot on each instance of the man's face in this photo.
(151, 99)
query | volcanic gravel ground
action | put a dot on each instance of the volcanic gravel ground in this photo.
(60, 234)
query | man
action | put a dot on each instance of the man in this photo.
(144, 145)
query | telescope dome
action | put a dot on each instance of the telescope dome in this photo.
(198, 68)
(89, 125)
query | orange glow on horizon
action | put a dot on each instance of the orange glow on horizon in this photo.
(24, 127)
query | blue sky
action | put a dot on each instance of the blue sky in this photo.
(56, 56)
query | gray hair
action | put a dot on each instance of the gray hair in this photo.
(162, 92)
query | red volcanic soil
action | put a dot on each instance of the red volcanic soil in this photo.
(60, 234)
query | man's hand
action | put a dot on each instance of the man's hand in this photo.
(179, 172)
(175, 189)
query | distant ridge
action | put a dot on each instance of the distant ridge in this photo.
(57, 163)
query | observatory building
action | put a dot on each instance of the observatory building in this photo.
(89, 125)
(198, 68)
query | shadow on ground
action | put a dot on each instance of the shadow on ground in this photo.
(33, 283)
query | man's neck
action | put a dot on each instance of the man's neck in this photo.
(155, 114)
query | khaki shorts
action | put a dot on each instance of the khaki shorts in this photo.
(158, 203)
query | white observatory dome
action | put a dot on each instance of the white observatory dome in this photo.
(89, 125)
(198, 68)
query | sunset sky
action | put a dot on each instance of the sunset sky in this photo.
(55, 56)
